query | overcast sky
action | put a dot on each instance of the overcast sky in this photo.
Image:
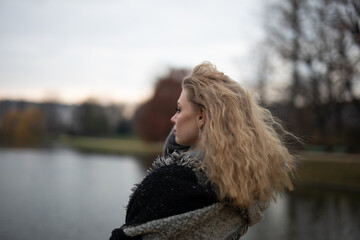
(115, 49)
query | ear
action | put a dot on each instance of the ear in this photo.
(201, 118)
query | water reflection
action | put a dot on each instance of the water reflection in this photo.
(311, 214)
(63, 194)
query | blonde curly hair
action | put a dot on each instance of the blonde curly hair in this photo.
(244, 154)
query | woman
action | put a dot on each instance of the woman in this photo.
(222, 164)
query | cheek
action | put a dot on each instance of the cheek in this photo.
(187, 131)
(185, 122)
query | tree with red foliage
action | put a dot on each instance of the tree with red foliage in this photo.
(153, 117)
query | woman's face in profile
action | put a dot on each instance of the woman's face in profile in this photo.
(185, 121)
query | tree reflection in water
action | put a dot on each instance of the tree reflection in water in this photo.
(311, 214)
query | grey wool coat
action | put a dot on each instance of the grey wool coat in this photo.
(176, 201)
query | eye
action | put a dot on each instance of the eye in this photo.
(177, 109)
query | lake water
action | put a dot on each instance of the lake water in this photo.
(63, 194)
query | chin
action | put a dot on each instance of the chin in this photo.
(178, 141)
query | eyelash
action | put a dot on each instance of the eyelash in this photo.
(177, 109)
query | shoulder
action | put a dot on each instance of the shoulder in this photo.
(167, 190)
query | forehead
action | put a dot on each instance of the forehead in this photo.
(183, 99)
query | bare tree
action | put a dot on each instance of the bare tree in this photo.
(319, 43)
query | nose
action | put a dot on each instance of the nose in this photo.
(173, 119)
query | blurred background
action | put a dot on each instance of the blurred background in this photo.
(87, 90)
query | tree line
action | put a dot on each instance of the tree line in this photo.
(314, 46)
(24, 124)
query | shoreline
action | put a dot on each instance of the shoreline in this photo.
(315, 169)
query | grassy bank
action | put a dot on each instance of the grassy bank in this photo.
(337, 171)
(118, 145)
